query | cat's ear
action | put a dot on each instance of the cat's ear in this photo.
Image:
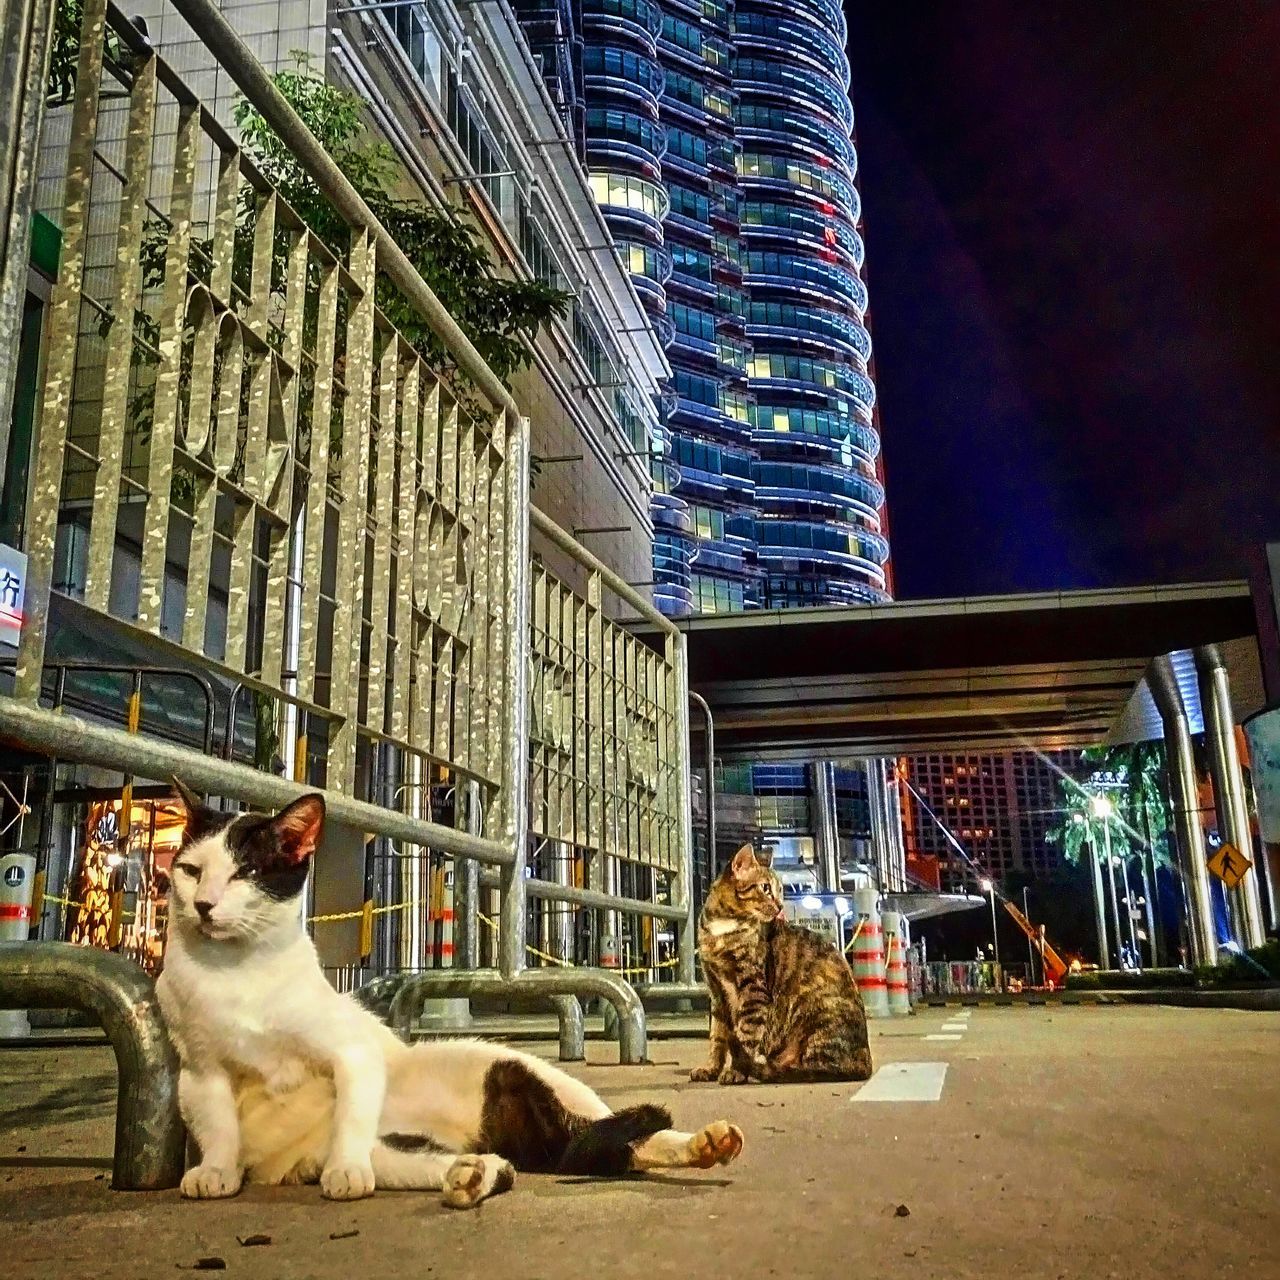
(195, 813)
(298, 826)
(744, 862)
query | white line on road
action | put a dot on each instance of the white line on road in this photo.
(942, 1037)
(955, 1026)
(964, 1013)
(904, 1082)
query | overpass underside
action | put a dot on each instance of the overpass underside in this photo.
(1041, 672)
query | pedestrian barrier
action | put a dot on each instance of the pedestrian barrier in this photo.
(334, 530)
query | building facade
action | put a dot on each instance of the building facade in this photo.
(719, 142)
(999, 807)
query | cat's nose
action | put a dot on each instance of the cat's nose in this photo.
(204, 908)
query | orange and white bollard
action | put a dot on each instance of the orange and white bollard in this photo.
(896, 967)
(868, 954)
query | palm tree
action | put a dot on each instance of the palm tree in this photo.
(1138, 827)
(1082, 834)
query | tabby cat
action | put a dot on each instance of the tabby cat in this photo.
(784, 1005)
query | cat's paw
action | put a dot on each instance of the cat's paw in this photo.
(470, 1179)
(731, 1075)
(350, 1181)
(700, 1075)
(208, 1182)
(719, 1143)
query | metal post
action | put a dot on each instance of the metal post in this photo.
(1099, 911)
(26, 29)
(709, 757)
(1031, 955)
(1180, 761)
(687, 941)
(1228, 783)
(995, 939)
(512, 938)
(150, 1143)
(1111, 882)
(466, 884)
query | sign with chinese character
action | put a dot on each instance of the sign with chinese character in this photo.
(1229, 865)
(13, 585)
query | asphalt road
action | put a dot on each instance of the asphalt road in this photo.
(1064, 1142)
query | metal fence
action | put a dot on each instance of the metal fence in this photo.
(247, 468)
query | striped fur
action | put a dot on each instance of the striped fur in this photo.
(784, 1005)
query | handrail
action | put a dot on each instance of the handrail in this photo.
(620, 587)
(149, 1145)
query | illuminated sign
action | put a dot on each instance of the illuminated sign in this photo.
(13, 586)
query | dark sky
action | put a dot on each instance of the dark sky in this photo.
(1073, 250)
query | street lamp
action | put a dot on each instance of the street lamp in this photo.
(989, 888)
(1103, 808)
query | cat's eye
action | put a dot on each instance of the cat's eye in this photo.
(186, 868)
(246, 873)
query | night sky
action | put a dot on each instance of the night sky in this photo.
(1073, 251)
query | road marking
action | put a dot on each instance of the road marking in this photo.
(942, 1037)
(955, 1026)
(964, 1013)
(904, 1082)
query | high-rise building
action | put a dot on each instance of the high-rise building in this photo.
(999, 807)
(818, 491)
(719, 142)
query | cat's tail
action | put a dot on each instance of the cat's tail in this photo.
(602, 1149)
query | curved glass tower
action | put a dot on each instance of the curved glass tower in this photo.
(818, 495)
(719, 141)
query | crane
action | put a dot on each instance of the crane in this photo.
(1055, 967)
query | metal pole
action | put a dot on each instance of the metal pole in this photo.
(513, 921)
(995, 939)
(1163, 683)
(149, 1145)
(1031, 955)
(1228, 783)
(466, 884)
(709, 758)
(26, 30)
(687, 941)
(1099, 911)
(1111, 881)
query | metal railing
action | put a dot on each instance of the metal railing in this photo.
(272, 485)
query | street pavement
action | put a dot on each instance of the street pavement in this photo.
(1057, 1142)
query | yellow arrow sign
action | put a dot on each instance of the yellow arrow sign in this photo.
(1229, 865)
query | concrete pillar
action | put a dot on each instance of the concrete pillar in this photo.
(868, 953)
(826, 831)
(893, 824)
(1163, 683)
(1228, 784)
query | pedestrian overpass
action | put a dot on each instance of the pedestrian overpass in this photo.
(1045, 671)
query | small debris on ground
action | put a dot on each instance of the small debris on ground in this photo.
(344, 1235)
(251, 1242)
(902, 1212)
(205, 1264)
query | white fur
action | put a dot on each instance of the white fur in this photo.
(285, 1080)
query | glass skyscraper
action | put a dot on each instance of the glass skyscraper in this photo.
(719, 140)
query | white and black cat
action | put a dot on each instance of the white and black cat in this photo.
(285, 1080)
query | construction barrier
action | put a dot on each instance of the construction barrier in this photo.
(868, 954)
(892, 923)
